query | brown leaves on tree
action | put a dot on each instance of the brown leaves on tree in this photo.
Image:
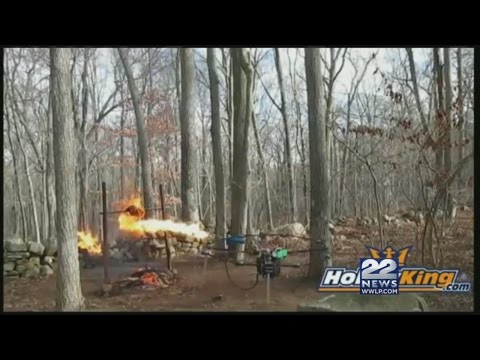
(368, 130)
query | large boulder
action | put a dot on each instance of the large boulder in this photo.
(25, 267)
(366, 303)
(331, 227)
(157, 244)
(36, 248)
(46, 270)
(51, 249)
(22, 261)
(33, 272)
(15, 245)
(9, 266)
(47, 260)
(295, 229)
(12, 274)
(34, 261)
(16, 255)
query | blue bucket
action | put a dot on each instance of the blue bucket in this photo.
(235, 240)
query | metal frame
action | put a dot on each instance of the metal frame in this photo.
(105, 247)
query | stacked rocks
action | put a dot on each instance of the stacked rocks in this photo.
(27, 259)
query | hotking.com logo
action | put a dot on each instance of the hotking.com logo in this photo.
(384, 273)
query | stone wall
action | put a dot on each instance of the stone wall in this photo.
(27, 259)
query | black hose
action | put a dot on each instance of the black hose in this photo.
(235, 284)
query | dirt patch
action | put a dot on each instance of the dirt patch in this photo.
(194, 291)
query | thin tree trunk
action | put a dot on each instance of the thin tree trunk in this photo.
(242, 106)
(460, 112)
(142, 137)
(449, 205)
(413, 75)
(187, 112)
(440, 112)
(229, 101)
(82, 155)
(268, 202)
(122, 145)
(288, 150)
(69, 293)
(45, 194)
(344, 159)
(50, 170)
(448, 112)
(17, 178)
(321, 249)
(220, 224)
(26, 167)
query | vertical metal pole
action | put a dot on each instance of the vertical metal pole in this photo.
(268, 289)
(162, 202)
(105, 249)
(167, 243)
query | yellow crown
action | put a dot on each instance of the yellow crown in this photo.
(390, 253)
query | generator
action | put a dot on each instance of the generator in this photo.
(268, 262)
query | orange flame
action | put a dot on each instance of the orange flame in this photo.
(133, 223)
(150, 278)
(89, 242)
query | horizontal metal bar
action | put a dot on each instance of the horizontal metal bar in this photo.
(123, 211)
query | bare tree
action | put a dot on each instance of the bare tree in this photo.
(321, 248)
(16, 171)
(217, 146)
(187, 112)
(69, 293)
(350, 99)
(288, 150)
(142, 137)
(459, 104)
(242, 110)
(413, 75)
(268, 201)
(50, 169)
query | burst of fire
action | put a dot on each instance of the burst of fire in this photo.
(89, 242)
(150, 278)
(132, 221)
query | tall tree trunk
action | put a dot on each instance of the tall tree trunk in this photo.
(187, 116)
(448, 129)
(448, 110)
(321, 249)
(242, 101)
(228, 71)
(69, 293)
(413, 75)
(440, 111)
(82, 155)
(460, 112)
(288, 150)
(343, 174)
(17, 178)
(45, 191)
(142, 137)
(220, 224)
(26, 167)
(122, 145)
(50, 169)
(268, 202)
(303, 158)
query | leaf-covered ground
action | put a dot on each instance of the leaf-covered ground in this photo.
(213, 291)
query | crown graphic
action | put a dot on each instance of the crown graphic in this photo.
(390, 253)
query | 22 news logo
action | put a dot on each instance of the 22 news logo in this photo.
(379, 277)
(384, 273)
